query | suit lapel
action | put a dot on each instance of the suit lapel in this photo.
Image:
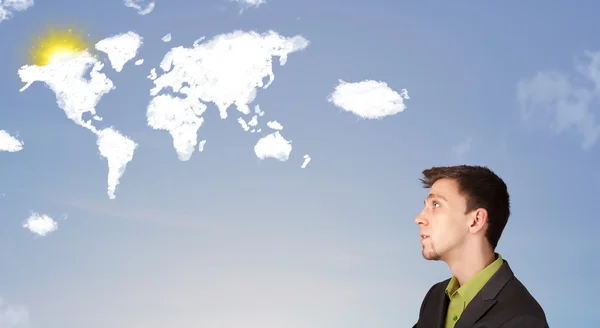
(486, 298)
(442, 310)
(434, 313)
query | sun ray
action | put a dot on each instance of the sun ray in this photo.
(57, 44)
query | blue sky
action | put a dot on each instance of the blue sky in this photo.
(228, 240)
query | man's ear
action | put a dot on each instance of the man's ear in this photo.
(479, 219)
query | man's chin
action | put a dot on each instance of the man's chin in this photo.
(431, 257)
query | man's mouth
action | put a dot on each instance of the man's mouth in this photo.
(424, 236)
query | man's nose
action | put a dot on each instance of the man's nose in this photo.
(420, 219)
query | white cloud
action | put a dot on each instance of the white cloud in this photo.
(226, 70)
(152, 75)
(139, 62)
(40, 224)
(120, 48)
(254, 3)
(13, 316)
(245, 4)
(201, 145)
(141, 6)
(368, 99)
(196, 43)
(306, 161)
(76, 95)
(463, 147)
(555, 93)
(275, 125)
(181, 117)
(8, 7)
(9, 143)
(273, 146)
(253, 121)
(167, 38)
(258, 111)
(118, 150)
(243, 124)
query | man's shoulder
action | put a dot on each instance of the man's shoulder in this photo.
(517, 296)
(515, 307)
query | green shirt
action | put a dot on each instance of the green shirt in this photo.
(461, 296)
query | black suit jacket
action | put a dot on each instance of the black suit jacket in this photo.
(502, 303)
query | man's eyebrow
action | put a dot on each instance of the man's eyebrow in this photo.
(430, 196)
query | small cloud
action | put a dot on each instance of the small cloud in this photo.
(368, 99)
(556, 93)
(141, 6)
(13, 316)
(201, 145)
(120, 48)
(40, 224)
(273, 146)
(253, 121)
(258, 111)
(167, 38)
(306, 161)
(152, 75)
(463, 147)
(243, 124)
(275, 125)
(7, 8)
(139, 62)
(9, 143)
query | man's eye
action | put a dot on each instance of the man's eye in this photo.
(436, 204)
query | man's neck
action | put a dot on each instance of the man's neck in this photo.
(469, 264)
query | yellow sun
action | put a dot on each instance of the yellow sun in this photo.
(56, 45)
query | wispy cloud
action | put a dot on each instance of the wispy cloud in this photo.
(557, 94)
(254, 3)
(245, 4)
(8, 7)
(142, 6)
(13, 316)
(143, 213)
(463, 147)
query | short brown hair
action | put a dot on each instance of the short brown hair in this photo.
(482, 188)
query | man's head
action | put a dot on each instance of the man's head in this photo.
(466, 206)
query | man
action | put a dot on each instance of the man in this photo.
(465, 213)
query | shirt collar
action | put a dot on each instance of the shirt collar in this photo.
(468, 290)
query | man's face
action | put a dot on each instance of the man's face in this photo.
(443, 222)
